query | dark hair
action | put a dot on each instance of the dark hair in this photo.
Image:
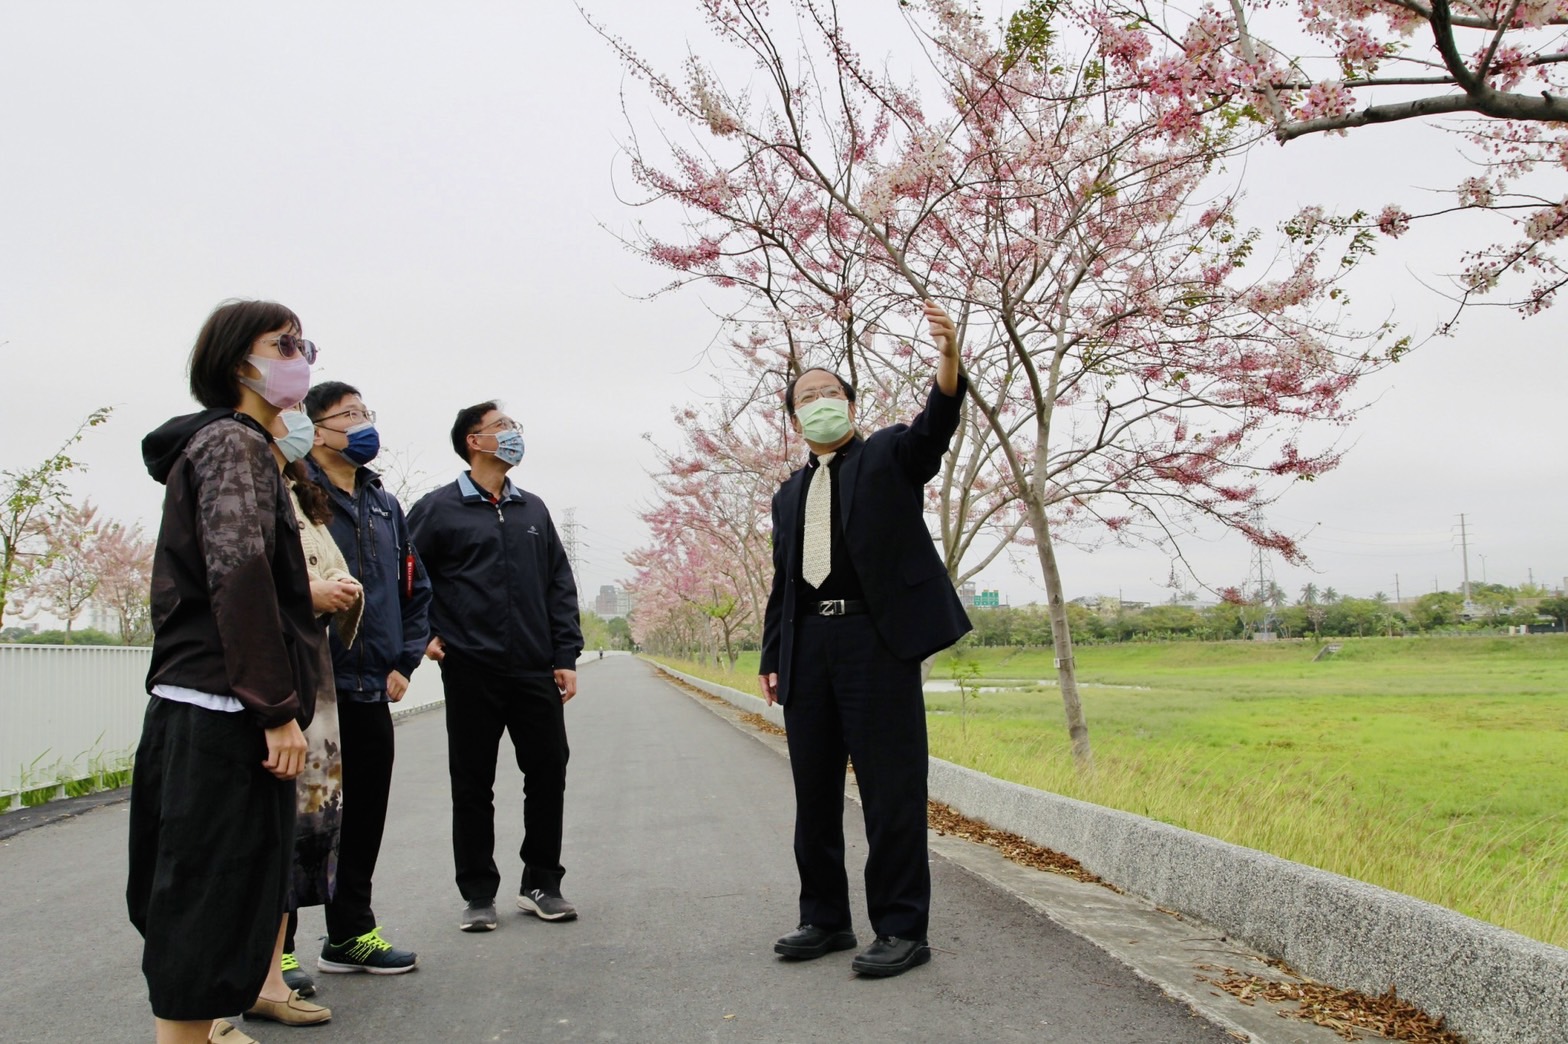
(468, 419)
(318, 508)
(322, 397)
(224, 342)
(789, 389)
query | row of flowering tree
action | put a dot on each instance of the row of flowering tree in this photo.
(77, 560)
(1139, 363)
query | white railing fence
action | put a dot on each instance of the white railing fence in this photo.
(68, 711)
(65, 707)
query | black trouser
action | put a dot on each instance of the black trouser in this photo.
(366, 733)
(366, 737)
(211, 853)
(480, 705)
(849, 696)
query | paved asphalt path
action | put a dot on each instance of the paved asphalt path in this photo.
(678, 857)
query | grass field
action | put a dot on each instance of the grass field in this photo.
(1437, 767)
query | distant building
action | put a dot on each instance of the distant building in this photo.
(612, 602)
(1108, 606)
(966, 592)
(99, 617)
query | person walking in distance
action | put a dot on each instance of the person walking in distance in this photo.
(368, 526)
(859, 597)
(506, 632)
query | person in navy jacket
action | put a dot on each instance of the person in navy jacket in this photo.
(505, 630)
(369, 528)
(860, 596)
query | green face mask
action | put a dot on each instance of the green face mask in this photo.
(824, 421)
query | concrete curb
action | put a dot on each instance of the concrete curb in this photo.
(1492, 985)
(21, 820)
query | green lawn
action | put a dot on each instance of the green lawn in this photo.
(1434, 766)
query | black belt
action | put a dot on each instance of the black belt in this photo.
(836, 607)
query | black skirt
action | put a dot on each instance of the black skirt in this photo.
(211, 843)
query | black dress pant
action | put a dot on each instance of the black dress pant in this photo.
(849, 696)
(480, 706)
(368, 747)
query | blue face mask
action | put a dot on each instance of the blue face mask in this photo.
(364, 442)
(509, 447)
(302, 435)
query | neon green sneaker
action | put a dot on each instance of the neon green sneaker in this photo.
(366, 953)
(297, 978)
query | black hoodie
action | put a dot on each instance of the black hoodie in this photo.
(231, 609)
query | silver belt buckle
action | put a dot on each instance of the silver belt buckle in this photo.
(831, 607)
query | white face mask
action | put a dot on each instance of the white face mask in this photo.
(301, 437)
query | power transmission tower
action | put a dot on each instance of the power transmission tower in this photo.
(1261, 580)
(569, 527)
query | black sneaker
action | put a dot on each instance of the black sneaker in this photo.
(545, 906)
(478, 916)
(297, 978)
(366, 953)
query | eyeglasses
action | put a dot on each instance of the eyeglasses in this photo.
(504, 424)
(813, 394)
(288, 345)
(354, 416)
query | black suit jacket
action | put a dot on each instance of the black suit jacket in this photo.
(907, 591)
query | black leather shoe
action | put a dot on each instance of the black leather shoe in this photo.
(891, 956)
(809, 941)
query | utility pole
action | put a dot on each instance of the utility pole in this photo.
(1464, 546)
(1397, 599)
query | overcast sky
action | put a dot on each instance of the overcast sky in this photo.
(433, 189)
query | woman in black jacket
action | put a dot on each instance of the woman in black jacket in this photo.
(232, 682)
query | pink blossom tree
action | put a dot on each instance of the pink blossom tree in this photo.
(70, 576)
(1493, 72)
(711, 550)
(27, 497)
(1135, 361)
(122, 560)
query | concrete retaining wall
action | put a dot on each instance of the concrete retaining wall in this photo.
(1490, 984)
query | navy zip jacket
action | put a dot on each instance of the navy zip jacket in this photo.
(504, 596)
(373, 535)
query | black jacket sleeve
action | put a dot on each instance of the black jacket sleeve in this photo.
(921, 445)
(773, 617)
(236, 491)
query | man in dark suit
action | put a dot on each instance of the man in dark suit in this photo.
(860, 596)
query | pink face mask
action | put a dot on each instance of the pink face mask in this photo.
(283, 382)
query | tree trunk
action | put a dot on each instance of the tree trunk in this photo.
(1062, 641)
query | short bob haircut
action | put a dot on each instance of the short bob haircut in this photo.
(224, 343)
(468, 419)
(789, 389)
